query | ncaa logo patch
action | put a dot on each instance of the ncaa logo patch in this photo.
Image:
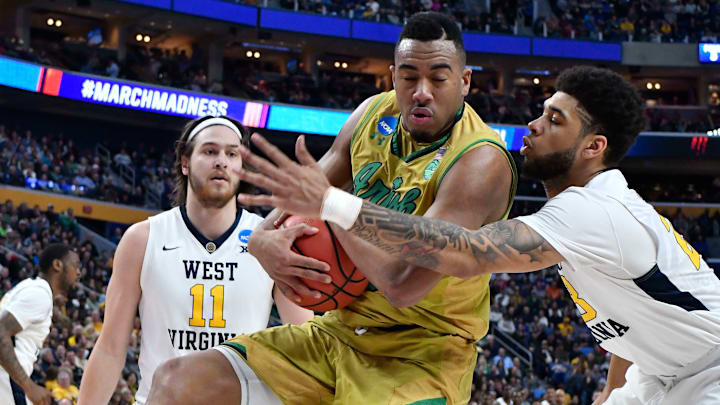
(244, 235)
(386, 125)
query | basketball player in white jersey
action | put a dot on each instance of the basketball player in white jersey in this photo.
(25, 317)
(645, 294)
(186, 270)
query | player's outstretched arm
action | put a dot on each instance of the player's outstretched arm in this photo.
(123, 294)
(9, 327)
(504, 246)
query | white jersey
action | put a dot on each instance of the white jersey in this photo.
(197, 293)
(646, 294)
(31, 304)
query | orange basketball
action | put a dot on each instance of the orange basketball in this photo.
(348, 283)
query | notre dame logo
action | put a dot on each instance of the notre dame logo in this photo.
(382, 195)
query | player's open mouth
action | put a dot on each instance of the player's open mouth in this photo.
(526, 145)
(421, 115)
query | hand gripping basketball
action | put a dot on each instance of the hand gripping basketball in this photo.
(348, 283)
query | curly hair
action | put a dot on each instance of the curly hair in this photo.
(431, 26)
(185, 148)
(615, 106)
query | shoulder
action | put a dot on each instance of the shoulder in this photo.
(136, 236)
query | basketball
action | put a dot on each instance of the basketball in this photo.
(348, 283)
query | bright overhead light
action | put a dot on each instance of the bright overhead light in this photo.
(146, 38)
(337, 64)
(536, 80)
(50, 21)
(649, 86)
(138, 37)
(58, 23)
(344, 65)
(256, 55)
(319, 62)
(248, 54)
(657, 86)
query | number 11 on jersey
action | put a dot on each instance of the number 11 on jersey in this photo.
(218, 294)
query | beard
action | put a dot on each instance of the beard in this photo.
(209, 197)
(549, 166)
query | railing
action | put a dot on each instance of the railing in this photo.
(513, 346)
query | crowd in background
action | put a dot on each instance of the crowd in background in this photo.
(56, 163)
(686, 21)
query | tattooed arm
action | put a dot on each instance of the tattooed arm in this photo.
(9, 327)
(500, 247)
(446, 248)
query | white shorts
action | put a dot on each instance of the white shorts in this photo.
(698, 388)
(11, 393)
(254, 390)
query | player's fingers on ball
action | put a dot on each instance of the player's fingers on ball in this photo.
(300, 288)
(271, 151)
(310, 274)
(310, 263)
(302, 229)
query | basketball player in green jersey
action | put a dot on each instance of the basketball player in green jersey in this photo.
(418, 149)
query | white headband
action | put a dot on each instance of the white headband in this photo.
(214, 121)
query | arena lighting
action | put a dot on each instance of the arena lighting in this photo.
(657, 86)
(256, 55)
(58, 23)
(50, 21)
(337, 64)
(536, 80)
(319, 62)
(139, 37)
(649, 86)
(249, 54)
(146, 38)
(344, 65)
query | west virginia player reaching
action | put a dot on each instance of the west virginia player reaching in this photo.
(645, 293)
(187, 270)
(419, 150)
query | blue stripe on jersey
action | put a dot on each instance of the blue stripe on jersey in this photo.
(659, 287)
(18, 393)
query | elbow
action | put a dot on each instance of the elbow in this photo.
(469, 270)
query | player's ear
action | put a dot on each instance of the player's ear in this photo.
(57, 265)
(184, 165)
(595, 146)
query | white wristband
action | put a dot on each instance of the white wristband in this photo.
(340, 207)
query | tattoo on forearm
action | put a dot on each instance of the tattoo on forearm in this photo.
(9, 361)
(426, 242)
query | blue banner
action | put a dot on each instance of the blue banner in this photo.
(376, 31)
(147, 98)
(20, 75)
(301, 22)
(306, 120)
(566, 48)
(488, 43)
(512, 135)
(708, 52)
(221, 10)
